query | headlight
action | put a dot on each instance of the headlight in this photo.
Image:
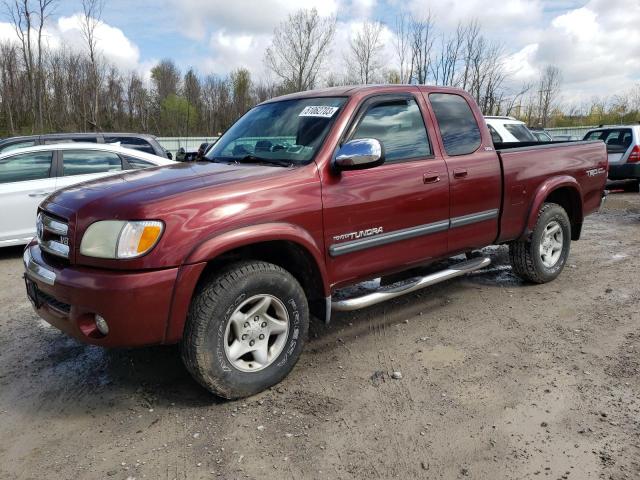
(118, 239)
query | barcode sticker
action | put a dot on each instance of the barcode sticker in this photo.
(318, 111)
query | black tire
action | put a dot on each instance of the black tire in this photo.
(525, 255)
(216, 299)
(632, 186)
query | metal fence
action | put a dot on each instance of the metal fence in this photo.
(574, 131)
(190, 144)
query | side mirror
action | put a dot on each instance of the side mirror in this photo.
(359, 154)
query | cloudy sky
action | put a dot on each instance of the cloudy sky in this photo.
(596, 43)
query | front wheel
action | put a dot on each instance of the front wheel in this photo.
(541, 257)
(245, 329)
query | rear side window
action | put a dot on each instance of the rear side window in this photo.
(136, 163)
(84, 162)
(519, 131)
(27, 166)
(618, 140)
(495, 136)
(15, 146)
(458, 127)
(597, 135)
(131, 142)
(399, 126)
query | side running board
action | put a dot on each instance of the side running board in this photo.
(453, 271)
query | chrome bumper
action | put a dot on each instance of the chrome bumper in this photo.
(36, 271)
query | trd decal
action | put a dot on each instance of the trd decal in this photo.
(596, 171)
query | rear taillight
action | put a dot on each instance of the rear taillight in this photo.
(634, 156)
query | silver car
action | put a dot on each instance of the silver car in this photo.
(623, 149)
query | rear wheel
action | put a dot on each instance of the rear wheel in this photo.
(542, 256)
(245, 329)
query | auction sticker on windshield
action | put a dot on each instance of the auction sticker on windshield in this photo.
(318, 111)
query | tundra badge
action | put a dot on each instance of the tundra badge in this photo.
(359, 234)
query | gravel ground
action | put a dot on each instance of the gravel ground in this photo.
(493, 379)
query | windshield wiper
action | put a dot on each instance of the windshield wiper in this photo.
(254, 159)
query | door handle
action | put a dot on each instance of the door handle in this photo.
(460, 173)
(430, 178)
(39, 194)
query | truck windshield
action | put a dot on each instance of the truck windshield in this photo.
(285, 132)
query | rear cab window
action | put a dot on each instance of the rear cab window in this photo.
(84, 162)
(458, 126)
(399, 126)
(25, 167)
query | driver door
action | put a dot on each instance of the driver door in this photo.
(388, 217)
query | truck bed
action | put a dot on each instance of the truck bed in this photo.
(527, 165)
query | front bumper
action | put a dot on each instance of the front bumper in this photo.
(625, 171)
(136, 305)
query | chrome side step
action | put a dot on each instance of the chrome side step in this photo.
(453, 271)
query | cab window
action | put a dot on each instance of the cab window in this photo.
(458, 126)
(399, 126)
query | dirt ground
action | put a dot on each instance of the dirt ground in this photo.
(499, 380)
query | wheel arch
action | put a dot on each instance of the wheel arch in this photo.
(566, 192)
(285, 245)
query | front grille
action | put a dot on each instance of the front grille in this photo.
(53, 235)
(54, 303)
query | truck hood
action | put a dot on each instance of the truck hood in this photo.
(147, 185)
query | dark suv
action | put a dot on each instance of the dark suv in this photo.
(136, 141)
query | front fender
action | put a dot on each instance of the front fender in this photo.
(264, 232)
(543, 192)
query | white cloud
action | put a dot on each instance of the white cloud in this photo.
(234, 50)
(596, 47)
(491, 14)
(246, 16)
(111, 41)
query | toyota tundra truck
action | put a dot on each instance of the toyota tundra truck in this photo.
(305, 195)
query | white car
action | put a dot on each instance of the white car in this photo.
(28, 175)
(508, 129)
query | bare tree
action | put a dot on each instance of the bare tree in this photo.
(299, 48)
(364, 51)
(91, 18)
(402, 44)
(445, 66)
(25, 18)
(422, 37)
(548, 90)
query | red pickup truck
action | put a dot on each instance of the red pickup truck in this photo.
(305, 195)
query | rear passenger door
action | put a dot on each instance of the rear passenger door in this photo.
(475, 175)
(387, 217)
(81, 165)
